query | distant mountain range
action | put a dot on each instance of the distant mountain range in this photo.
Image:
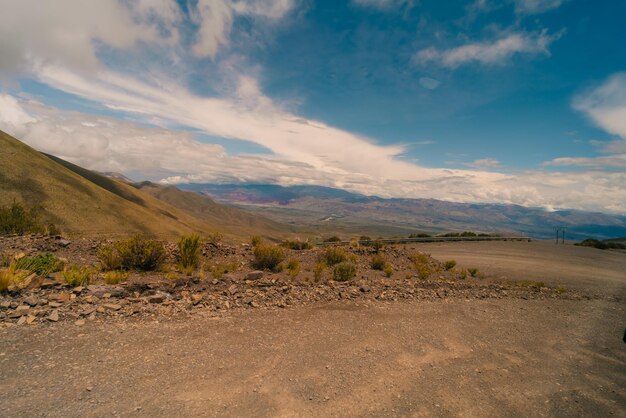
(323, 208)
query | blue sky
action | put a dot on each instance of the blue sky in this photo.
(519, 101)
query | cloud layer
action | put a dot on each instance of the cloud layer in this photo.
(496, 52)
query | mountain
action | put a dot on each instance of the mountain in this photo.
(334, 209)
(84, 203)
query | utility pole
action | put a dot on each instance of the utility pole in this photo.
(560, 234)
(563, 230)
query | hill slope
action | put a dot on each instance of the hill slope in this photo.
(84, 203)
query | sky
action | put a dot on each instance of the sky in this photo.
(510, 101)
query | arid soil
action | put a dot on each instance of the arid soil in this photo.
(374, 346)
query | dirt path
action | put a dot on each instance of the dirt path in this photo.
(447, 357)
(477, 358)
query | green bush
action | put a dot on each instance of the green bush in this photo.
(255, 240)
(449, 265)
(296, 245)
(136, 253)
(267, 257)
(473, 272)
(388, 270)
(601, 245)
(189, 251)
(77, 276)
(334, 238)
(318, 271)
(333, 255)
(293, 267)
(344, 271)
(420, 235)
(115, 277)
(378, 262)
(17, 219)
(42, 264)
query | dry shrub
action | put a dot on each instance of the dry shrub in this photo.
(333, 255)
(344, 271)
(189, 251)
(267, 257)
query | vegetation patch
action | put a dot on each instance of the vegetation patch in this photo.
(77, 276)
(293, 267)
(255, 240)
(268, 257)
(297, 245)
(136, 253)
(334, 238)
(473, 271)
(189, 251)
(333, 255)
(601, 245)
(17, 219)
(42, 264)
(378, 262)
(449, 265)
(318, 271)
(115, 277)
(344, 271)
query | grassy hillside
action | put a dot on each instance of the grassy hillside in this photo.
(84, 203)
(202, 207)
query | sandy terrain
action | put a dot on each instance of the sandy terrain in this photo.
(453, 357)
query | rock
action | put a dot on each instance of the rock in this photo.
(5, 304)
(30, 319)
(21, 321)
(254, 275)
(54, 316)
(60, 297)
(31, 300)
(196, 298)
(55, 304)
(88, 311)
(254, 304)
(19, 311)
(78, 289)
(112, 307)
(232, 289)
(64, 243)
(80, 322)
(156, 299)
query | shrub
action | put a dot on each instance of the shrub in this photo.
(267, 257)
(421, 262)
(449, 265)
(364, 238)
(473, 271)
(377, 245)
(560, 290)
(115, 277)
(255, 240)
(189, 251)
(135, 253)
(333, 255)
(602, 245)
(10, 276)
(344, 271)
(76, 276)
(293, 267)
(214, 238)
(297, 245)
(467, 234)
(17, 219)
(378, 262)
(218, 270)
(388, 270)
(420, 235)
(42, 264)
(334, 238)
(318, 271)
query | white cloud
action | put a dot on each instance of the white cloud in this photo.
(67, 31)
(484, 164)
(605, 105)
(107, 144)
(530, 7)
(381, 4)
(429, 83)
(496, 52)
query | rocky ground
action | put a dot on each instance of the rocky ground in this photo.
(252, 343)
(204, 293)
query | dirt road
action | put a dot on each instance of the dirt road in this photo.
(493, 357)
